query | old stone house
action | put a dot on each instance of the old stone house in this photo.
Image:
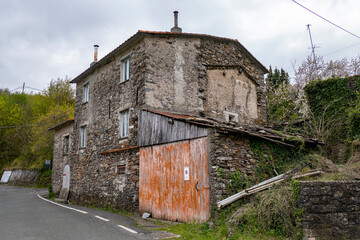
(154, 120)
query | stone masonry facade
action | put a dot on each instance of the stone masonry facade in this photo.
(331, 210)
(185, 73)
(228, 154)
(60, 157)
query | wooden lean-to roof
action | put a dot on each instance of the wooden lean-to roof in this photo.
(251, 130)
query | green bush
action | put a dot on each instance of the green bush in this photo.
(274, 212)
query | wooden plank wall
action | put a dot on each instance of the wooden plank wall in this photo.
(163, 190)
(156, 129)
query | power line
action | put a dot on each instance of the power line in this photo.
(342, 49)
(27, 88)
(326, 19)
(18, 126)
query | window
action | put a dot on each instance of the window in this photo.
(120, 169)
(86, 93)
(124, 123)
(232, 118)
(125, 69)
(83, 136)
(66, 144)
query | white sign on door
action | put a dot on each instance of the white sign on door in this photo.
(186, 174)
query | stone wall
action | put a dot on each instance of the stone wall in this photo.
(204, 77)
(167, 73)
(224, 55)
(94, 177)
(96, 180)
(172, 74)
(228, 154)
(331, 210)
(231, 92)
(60, 158)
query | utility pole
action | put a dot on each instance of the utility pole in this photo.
(23, 88)
(313, 51)
(312, 45)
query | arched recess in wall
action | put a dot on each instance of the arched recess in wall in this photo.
(66, 177)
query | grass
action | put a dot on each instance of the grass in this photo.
(203, 231)
(270, 214)
(107, 208)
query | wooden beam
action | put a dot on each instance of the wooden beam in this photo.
(118, 150)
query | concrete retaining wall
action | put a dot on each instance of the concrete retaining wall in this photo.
(22, 177)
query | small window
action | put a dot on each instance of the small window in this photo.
(124, 123)
(83, 136)
(232, 118)
(86, 93)
(125, 69)
(66, 144)
(120, 169)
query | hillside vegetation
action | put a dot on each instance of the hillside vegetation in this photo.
(25, 142)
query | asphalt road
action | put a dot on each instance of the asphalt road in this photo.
(25, 215)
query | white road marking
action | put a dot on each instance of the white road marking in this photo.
(80, 211)
(101, 218)
(74, 209)
(127, 229)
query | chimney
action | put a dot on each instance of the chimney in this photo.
(176, 28)
(95, 55)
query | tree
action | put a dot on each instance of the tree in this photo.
(313, 69)
(283, 105)
(276, 78)
(24, 121)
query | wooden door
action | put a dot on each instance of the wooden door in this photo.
(164, 190)
(66, 177)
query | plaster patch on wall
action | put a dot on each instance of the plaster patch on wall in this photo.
(232, 92)
(179, 81)
(120, 182)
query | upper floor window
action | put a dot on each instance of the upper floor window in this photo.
(83, 136)
(124, 123)
(125, 62)
(66, 144)
(86, 92)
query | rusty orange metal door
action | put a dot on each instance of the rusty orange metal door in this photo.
(163, 188)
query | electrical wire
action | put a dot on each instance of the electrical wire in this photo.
(341, 49)
(326, 19)
(18, 126)
(27, 88)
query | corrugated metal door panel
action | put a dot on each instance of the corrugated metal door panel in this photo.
(163, 191)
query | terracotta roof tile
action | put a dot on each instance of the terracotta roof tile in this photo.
(61, 125)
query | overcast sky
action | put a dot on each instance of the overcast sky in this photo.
(42, 40)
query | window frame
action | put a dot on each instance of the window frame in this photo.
(125, 68)
(83, 136)
(121, 169)
(66, 144)
(124, 123)
(85, 92)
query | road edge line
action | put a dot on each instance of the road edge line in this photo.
(128, 229)
(74, 209)
(101, 218)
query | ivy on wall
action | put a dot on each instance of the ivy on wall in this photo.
(274, 159)
(338, 100)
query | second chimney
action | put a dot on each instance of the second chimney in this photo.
(95, 55)
(176, 28)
